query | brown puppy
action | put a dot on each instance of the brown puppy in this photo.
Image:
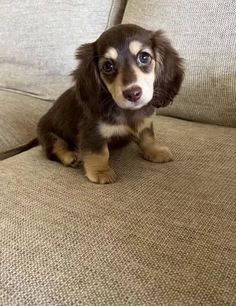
(120, 79)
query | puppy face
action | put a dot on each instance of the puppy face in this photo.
(136, 66)
(128, 71)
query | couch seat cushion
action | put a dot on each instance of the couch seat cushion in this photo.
(163, 234)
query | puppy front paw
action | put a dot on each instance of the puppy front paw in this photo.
(71, 159)
(158, 154)
(102, 177)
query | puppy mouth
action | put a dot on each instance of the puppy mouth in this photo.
(133, 97)
(130, 105)
(133, 102)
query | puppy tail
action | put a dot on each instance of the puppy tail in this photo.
(33, 143)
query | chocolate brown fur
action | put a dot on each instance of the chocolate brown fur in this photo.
(76, 115)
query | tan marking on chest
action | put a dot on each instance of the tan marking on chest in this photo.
(109, 130)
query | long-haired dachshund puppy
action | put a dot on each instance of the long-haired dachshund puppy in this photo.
(120, 80)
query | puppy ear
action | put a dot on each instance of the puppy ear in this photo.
(169, 71)
(87, 81)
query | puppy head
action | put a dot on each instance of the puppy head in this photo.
(136, 66)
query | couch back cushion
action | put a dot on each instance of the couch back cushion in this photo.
(38, 40)
(204, 32)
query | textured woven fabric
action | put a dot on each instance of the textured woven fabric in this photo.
(38, 40)
(163, 234)
(204, 34)
(19, 115)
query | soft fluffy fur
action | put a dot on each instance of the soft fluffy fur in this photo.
(101, 111)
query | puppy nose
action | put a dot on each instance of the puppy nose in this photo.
(132, 94)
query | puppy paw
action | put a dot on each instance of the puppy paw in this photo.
(102, 177)
(70, 159)
(158, 154)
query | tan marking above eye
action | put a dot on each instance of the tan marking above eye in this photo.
(111, 53)
(135, 46)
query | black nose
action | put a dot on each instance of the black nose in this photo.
(132, 94)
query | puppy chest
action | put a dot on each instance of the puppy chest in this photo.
(113, 130)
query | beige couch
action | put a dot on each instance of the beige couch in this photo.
(163, 234)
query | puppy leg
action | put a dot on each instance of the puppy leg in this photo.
(145, 138)
(97, 168)
(67, 157)
(57, 148)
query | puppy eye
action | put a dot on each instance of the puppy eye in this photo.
(108, 67)
(144, 58)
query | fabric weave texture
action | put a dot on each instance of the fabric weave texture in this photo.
(163, 234)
